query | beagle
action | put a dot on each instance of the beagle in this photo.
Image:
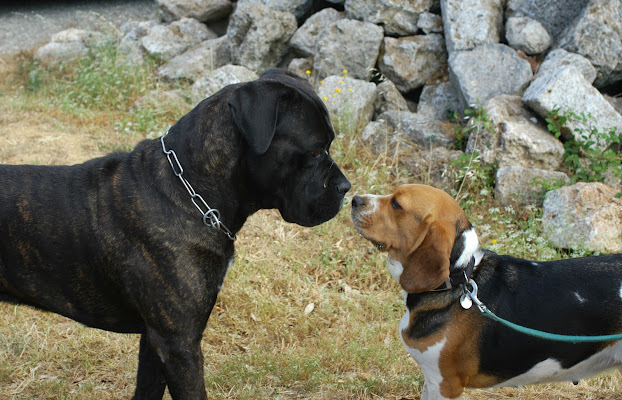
(432, 251)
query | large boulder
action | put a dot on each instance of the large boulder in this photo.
(523, 186)
(554, 15)
(201, 10)
(300, 8)
(348, 45)
(584, 216)
(258, 36)
(515, 138)
(397, 17)
(439, 100)
(527, 35)
(213, 81)
(597, 35)
(566, 90)
(67, 45)
(167, 41)
(389, 98)
(560, 58)
(349, 101)
(305, 39)
(190, 65)
(420, 128)
(131, 33)
(410, 61)
(488, 71)
(471, 23)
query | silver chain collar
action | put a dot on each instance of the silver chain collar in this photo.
(211, 217)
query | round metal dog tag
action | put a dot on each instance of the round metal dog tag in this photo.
(466, 302)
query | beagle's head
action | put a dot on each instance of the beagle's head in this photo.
(422, 228)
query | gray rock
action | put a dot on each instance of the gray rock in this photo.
(435, 166)
(68, 45)
(56, 53)
(201, 10)
(398, 17)
(471, 23)
(212, 82)
(350, 101)
(515, 137)
(430, 23)
(527, 35)
(597, 35)
(388, 98)
(524, 186)
(305, 39)
(300, 66)
(167, 41)
(584, 216)
(488, 71)
(300, 8)
(559, 58)
(258, 36)
(616, 102)
(86, 37)
(420, 128)
(410, 61)
(438, 100)
(131, 34)
(190, 65)
(348, 45)
(382, 139)
(550, 91)
(554, 15)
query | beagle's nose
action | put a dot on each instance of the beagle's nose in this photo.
(357, 201)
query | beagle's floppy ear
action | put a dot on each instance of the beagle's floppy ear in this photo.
(427, 267)
(255, 109)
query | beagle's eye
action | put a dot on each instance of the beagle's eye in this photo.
(395, 204)
(315, 154)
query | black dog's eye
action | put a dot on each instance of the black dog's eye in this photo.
(395, 204)
(315, 154)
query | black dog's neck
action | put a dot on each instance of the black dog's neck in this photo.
(209, 169)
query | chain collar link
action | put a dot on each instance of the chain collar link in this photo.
(211, 217)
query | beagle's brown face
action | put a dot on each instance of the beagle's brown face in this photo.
(417, 225)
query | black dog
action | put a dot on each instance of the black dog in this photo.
(119, 243)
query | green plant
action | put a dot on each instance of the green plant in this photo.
(589, 154)
(474, 175)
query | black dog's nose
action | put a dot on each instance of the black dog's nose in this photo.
(343, 186)
(357, 201)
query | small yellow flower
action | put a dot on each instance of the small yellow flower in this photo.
(334, 94)
(494, 241)
(321, 82)
(349, 89)
(337, 90)
(324, 98)
(308, 72)
(345, 71)
(341, 82)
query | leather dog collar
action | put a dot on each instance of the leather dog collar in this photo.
(457, 277)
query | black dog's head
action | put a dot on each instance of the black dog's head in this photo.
(288, 132)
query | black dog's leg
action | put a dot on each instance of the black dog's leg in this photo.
(150, 381)
(182, 364)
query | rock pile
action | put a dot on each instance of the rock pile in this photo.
(395, 68)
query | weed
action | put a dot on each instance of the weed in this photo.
(589, 154)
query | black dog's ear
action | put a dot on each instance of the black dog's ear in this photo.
(255, 108)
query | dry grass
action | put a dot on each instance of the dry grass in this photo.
(305, 313)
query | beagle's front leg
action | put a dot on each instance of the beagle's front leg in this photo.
(432, 391)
